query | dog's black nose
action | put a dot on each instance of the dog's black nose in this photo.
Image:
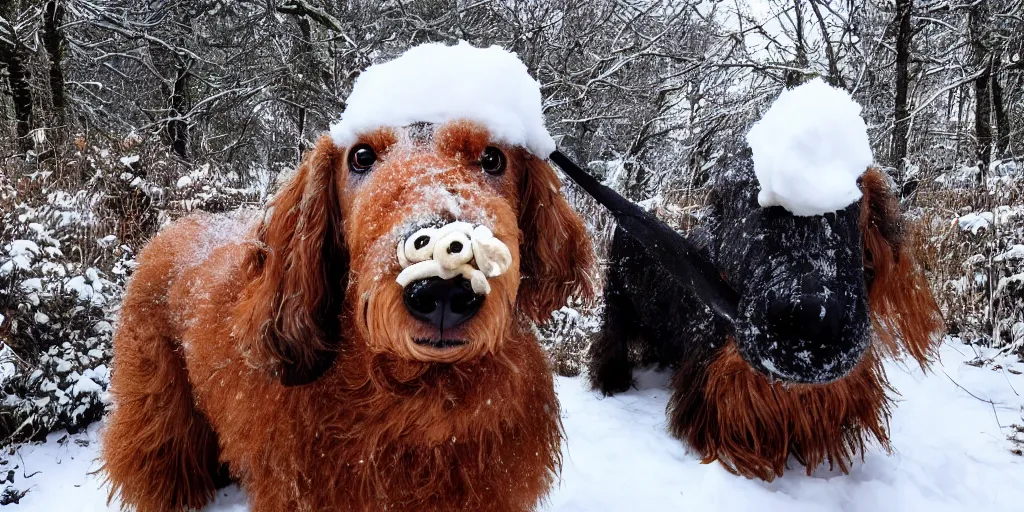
(443, 303)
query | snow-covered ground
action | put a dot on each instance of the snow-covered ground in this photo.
(949, 432)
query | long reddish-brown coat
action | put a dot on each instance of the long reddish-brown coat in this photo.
(195, 387)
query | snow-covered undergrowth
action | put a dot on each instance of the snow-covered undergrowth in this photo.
(949, 431)
(61, 276)
(68, 238)
(567, 336)
(974, 236)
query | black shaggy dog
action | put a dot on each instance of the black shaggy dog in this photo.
(798, 373)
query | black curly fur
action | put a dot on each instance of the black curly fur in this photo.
(773, 259)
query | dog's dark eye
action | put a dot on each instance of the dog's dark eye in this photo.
(361, 158)
(493, 161)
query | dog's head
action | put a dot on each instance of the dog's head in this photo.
(811, 286)
(352, 219)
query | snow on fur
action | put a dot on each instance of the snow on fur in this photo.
(951, 454)
(434, 83)
(809, 149)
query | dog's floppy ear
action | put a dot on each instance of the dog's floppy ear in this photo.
(287, 318)
(903, 308)
(557, 256)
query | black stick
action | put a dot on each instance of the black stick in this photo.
(675, 253)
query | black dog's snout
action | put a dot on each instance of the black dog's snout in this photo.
(810, 317)
(807, 338)
(809, 312)
(443, 303)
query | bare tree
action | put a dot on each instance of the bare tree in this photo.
(15, 20)
(53, 41)
(983, 62)
(901, 112)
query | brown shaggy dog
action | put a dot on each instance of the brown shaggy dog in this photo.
(746, 417)
(226, 315)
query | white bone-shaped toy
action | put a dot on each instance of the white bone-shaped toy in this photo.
(457, 248)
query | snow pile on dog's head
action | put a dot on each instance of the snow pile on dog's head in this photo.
(434, 83)
(809, 149)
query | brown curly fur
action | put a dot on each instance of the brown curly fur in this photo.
(728, 412)
(207, 343)
(752, 425)
(906, 317)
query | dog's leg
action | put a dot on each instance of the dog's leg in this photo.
(159, 452)
(610, 367)
(611, 370)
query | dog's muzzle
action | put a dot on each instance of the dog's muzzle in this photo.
(455, 249)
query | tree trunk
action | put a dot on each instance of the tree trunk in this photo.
(794, 77)
(177, 126)
(901, 115)
(306, 56)
(1003, 123)
(175, 69)
(835, 77)
(983, 120)
(18, 79)
(982, 94)
(53, 18)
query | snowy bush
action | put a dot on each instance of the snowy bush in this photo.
(56, 310)
(68, 239)
(566, 337)
(974, 240)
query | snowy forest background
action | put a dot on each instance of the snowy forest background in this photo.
(122, 115)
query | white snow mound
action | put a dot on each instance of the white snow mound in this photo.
(809, 149)
(434, 83)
